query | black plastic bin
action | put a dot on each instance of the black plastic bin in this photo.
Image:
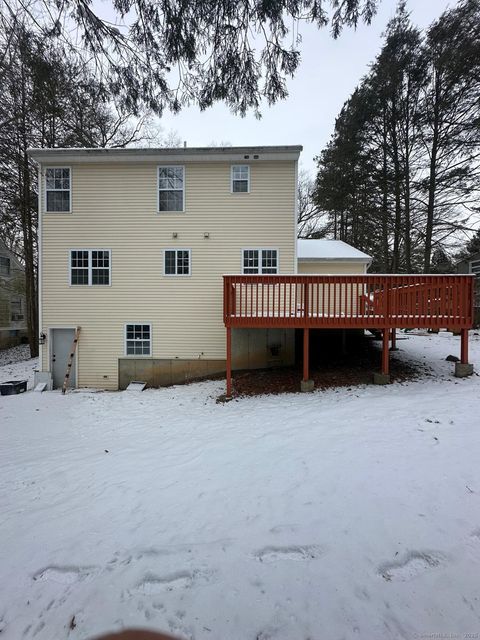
(11, 387)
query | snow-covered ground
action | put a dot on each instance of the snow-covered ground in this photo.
(16, 364)
(349, 513)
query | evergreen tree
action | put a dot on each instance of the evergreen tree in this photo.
(170, 53)
(400, 176)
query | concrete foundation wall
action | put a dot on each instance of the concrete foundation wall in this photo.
(159, 372)
(262, 348)
(251, 349)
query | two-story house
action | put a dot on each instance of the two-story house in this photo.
(12, 299)
(178, 264)
(133, 244)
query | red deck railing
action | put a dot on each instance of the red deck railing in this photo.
(348, 301)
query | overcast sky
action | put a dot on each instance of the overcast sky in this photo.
(328, 73)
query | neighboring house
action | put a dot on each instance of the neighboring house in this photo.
(472, 265)
(133, 244)
(12, 299)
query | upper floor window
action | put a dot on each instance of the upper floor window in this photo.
(90, 267)
(240, 178)
(5, 266)
(57, 189)
(171, 188)
(260, 261)
(177, 262)
(138, 339)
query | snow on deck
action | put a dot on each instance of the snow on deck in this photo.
(339, 514)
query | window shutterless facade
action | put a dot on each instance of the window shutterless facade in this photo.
(138, 339)
(177, 262)
(5, 266)
(90, 267)
(171, 189)
(260, 261)
(58, 189)
(240, 178)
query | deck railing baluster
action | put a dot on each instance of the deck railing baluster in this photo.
(348, 301)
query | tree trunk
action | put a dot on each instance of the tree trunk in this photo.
(28, 230)
(385, 257)
(397, 192)
(432, 180)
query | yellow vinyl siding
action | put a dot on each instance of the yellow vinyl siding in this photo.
(326, 267)
(333, 299)
(114, 206)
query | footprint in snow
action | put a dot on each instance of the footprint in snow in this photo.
(153, 585)
(62, 575)
(272, 554)
(413, 564)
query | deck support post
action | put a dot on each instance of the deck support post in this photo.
(229, 362)
(464, 346)
(463, 368)
(385, 357)
(393, 342)
(384, 376)
(306, 384)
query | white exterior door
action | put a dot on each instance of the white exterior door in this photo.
(61, 346)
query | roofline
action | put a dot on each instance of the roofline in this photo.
(349, 259)
(180, 154)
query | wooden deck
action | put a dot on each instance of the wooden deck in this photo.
(370, 301)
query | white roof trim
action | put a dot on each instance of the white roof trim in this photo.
(180, 154)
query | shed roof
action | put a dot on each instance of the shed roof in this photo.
(330, 250)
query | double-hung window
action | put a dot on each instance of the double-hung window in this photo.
(58, 188)
(240, 177)
(171, 188)
(260, 261)
(90, 267)
(138, 339)
(16, 309)
(5, 266)
(177, 262)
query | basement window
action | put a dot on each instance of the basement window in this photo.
(90, 267)
(260, 261)
(240, 178)
(138, 341)
(177, 262)
(57, 190)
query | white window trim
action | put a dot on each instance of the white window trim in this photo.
(240, 193)
(90, 270)
(170, 166)
(137, 355)
(178, 275)
(45, 210)
(260, 249)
